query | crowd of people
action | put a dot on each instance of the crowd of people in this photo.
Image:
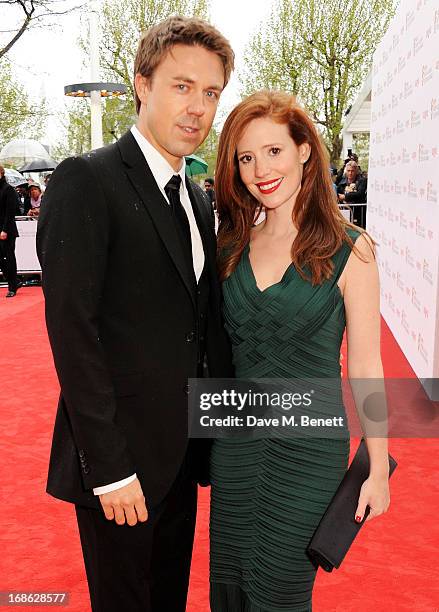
(29, 195)
(8, 233)
(24, 200)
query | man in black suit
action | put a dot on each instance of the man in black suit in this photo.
(352, 190)
(210, 191)
(127, 249)
(8, 234)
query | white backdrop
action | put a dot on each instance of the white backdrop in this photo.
(403, 190)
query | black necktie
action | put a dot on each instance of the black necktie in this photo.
(172, 190)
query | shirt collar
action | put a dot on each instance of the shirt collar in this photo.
(161, 169)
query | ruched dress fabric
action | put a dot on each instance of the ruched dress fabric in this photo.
(268, 495)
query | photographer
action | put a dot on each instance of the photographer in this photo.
(8, 234)
(351, 157)
(352, 189)
(23, 199)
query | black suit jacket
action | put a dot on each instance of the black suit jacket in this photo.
(8, 208)
(359, 196)
(120, 307)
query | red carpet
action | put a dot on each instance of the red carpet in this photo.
(391, 568)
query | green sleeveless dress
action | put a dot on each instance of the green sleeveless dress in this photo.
(268, 495)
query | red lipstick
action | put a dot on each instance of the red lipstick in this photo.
(267, 187)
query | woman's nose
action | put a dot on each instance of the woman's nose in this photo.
(261, 169)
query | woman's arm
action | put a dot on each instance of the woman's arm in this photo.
(360, 287)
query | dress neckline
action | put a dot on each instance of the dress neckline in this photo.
(252, 274)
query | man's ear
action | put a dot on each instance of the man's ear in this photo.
(142, 85)
(304, 152)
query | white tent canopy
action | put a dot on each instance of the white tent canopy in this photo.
(359, 116)
(20, 151)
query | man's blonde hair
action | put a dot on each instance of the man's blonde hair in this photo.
(352, 164)
(156, 42)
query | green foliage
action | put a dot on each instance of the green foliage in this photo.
(321, 52)
(361, 148)
(21, 117)
(77, 125)
(208, 151)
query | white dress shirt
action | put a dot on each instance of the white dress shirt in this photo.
(162, 171)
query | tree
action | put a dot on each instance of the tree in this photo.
(321, 52)
(77, 139)
(209, 150)
(361, 148)
(23, 14)
(116, 119)
(20, 115)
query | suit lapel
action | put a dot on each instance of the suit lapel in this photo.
(144, 183)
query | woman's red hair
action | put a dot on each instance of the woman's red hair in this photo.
(321, 226)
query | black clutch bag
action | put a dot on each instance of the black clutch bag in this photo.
(338, 528)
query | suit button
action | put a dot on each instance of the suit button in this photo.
(86, 470)
(83, 461)
(81, 453)
(186, 389)
(190, 337)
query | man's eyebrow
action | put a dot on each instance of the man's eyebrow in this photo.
(185, 79)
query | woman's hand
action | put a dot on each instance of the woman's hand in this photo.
(374, 493)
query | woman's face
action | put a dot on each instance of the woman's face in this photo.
(34, 193)
(270, 162)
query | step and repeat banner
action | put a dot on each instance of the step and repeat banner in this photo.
(403, 190)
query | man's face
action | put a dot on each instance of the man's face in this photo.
(207, 186)
(179, 104)
(351, 173)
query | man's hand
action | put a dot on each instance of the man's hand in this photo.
(126, 503)
(3, 236)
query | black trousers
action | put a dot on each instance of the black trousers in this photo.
(144, 568)
(8, 263)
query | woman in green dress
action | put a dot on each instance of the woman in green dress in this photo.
(292, 284)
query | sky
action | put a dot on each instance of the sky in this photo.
(46, 59)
